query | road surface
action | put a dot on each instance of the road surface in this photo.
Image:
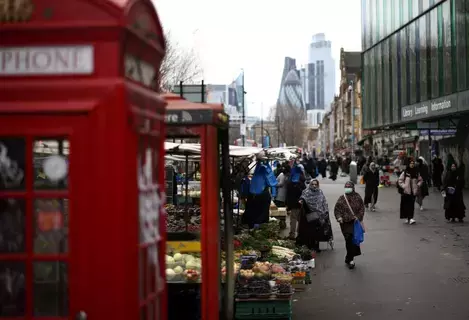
(410, 272)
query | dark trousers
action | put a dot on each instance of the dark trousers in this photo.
(352, 249)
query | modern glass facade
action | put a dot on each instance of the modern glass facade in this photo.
(415, 51)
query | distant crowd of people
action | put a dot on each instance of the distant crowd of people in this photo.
(415, 177)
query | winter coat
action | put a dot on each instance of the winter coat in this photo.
(410, 185)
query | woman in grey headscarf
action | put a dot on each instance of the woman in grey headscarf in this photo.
(315, 225)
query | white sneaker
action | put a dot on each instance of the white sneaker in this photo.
(412, 221)
(421, 208)
(406, 221)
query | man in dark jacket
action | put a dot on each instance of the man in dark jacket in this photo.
(292, 202)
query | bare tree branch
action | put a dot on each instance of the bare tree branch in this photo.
(292, 125)
(179, 64)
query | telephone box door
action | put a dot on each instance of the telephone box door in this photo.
(42, 207)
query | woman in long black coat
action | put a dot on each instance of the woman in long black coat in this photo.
(454, 202)
(437, 173)
(371, 178)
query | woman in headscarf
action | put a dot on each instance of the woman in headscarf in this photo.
(315, 224)
(348, 208)
(425, 174)
(409, 184)
(452, 191)
(437, 173)
(371, 178)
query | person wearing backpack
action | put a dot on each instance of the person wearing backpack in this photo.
(409, 184)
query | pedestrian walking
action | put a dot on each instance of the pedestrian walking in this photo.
(282, 179)
(315, 224)
(371, 179)
(292, 202)
(452, 191)
(437, 172)
(424, 174)
(348, 208)
(408, 185)
(334, 169)
(322, 167)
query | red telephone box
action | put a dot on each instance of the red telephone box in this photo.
(81, 160)
(209, 124)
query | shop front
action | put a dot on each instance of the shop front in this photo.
(80, 145)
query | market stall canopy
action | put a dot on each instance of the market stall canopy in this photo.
(193, 149)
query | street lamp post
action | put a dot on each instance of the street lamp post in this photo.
(262, 125)
(352, 107)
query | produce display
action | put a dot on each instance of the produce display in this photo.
(177, 216)
(183, 267)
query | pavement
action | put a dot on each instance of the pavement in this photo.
(405, 272)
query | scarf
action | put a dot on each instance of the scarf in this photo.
(316, 201)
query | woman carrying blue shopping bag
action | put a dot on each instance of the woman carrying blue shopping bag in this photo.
(349, 212)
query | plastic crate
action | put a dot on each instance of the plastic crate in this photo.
(268, 309)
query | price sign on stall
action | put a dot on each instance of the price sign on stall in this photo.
(183, 246)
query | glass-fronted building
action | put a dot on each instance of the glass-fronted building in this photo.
(415, 60)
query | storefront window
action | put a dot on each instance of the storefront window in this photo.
(51, 164)
(461, 43)
(405, 11)
(386, 85)
(447, 54)
(397, 13)
(415, 8)
(50, 226)
(423, 55)
(373, 86)
(404, 64)
(50, 289)
(412, 63)
(12, 163)
(12, 225)
(13, 288)
(374, 26)
(394, 78)
(425, 4)
(434, 53)
(379, 85)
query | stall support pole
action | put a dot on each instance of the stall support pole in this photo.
(228, 297)
(243, 119)
(186, 181)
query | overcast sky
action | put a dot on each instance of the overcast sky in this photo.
(256, 35)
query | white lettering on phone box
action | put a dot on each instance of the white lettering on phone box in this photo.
(61, 60)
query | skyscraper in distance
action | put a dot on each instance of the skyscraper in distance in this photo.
(320, 74)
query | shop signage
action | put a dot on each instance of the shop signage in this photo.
(430, 108)
(63, 60)
(195, 116)
(463, 101)
(437, 132)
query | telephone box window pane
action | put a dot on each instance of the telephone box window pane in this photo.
(141, 272)
(143, 313)
(51, 164)
(50, 226)
(13, 292)
(50, 289)
(12, 225)
(12, 163)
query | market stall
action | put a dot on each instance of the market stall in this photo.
(195, 231)
(269, 272)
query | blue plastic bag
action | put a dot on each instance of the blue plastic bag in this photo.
(258, 183)
(358, 233)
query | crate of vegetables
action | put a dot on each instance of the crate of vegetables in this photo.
(263, 309)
